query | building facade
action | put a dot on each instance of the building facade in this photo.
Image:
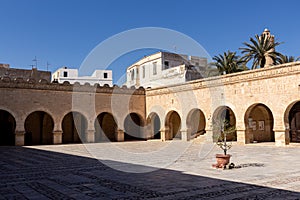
(32, 75)
(100, 77)
(263, 105)
(164, 68)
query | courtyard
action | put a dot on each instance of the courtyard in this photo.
(76, 171)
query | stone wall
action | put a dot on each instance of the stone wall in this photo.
(33, 74)
(263, 95)
(21, 98)
(276, 88)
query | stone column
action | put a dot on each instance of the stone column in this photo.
(90, 136)
(119, 135)
(209, 136)
(57, 137)
(185, 135)
(241, 137)
(282, 137)
(19, 138)
(163, 135)
(248, 136)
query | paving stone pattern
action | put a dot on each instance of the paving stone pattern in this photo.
(49, 172)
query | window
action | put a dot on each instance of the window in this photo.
(166, 64)
(143, 67)
(132, 74)
(105, 75)
(65, 74)
(154, 68)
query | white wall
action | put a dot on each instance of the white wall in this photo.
(97, 77)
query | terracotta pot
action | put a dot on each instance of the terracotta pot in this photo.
(222, 160)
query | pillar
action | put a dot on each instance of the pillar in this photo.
(282, 137)
(20, 138)
(242, 137)
(57, 137)
(90, 136)
(248, 136)
(185, 135)
(119, 135)
(163, 135)
(209, 136)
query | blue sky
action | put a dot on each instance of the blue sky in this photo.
(63, 32)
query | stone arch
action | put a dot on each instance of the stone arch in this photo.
(195, 122)
(74, 127)
(292, 121)
(221, 114)
(259, 124)
(39, 128)
(133, 127)
(105, 127)
(172, 125)
(154, 126)
(7, 128)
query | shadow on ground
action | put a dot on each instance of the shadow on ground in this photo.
(36, 174)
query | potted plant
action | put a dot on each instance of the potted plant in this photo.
(224, 130)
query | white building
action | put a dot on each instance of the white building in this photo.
(164, 68)
(101, 77)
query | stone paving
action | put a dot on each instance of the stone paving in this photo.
(75, 172)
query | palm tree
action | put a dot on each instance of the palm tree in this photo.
(228, 63)
(282, 59)
(260, 48)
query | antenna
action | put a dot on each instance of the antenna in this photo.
(48, 64)
(35, 60)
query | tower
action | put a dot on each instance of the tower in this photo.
(269, 60)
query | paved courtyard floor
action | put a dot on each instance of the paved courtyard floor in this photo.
(148, 170)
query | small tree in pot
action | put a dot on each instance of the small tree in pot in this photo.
(223, 130)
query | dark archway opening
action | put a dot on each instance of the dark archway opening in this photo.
(7, 128)
(223, 118)
(39, 128)
(173, 125)
(133, 128)
(74, 127)
(106, 128)
(294, 122)
(259, 124)
(196, 123)
(154, 126)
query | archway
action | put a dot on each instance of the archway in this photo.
(294, 122)
(7, 128)
(173, 125)
(223, 115)
(74, 127)
(195, 122)
(106, 127)
(39, 128)
(133, 127)
(154, 126)
(259, 124)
